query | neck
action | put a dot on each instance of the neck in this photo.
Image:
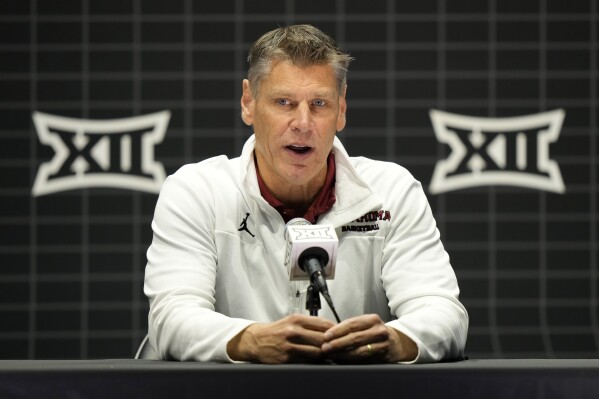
(297, 197)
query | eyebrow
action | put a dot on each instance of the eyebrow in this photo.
(317, 94)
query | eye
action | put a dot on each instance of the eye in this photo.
(319, 103)
(282, 101)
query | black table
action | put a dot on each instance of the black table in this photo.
(128, 378)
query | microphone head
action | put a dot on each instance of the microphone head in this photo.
(313, 252)
(297, 222)
(314, 240)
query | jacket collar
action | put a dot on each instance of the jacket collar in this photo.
(355, 197)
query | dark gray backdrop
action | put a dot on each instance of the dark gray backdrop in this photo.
(72, 263)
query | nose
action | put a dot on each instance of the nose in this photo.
(302, 118)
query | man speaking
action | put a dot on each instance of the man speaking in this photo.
(217, 278)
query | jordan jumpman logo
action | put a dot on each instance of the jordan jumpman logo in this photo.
(244, 225)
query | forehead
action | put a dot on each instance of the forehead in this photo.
(287, 77)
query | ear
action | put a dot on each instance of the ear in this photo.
(247, 104)
(342, 110)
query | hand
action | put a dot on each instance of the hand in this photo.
(294, 339)
(366, 339)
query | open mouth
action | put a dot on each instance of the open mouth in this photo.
(299, 149)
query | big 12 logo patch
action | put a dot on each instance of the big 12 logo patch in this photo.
(510, 151)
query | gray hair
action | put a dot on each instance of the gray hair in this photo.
(302, 45)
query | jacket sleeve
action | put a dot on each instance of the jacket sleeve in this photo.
(181, 272)
(419, 281)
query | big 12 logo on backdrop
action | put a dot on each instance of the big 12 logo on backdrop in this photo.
(116, 153)
(511, 151)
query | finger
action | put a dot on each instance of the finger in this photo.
(347, 343)
(368, 353)
(353, 341)
(306, 330)
(302, 352)
(308, 337)
(311, 322)
(291, 353)
(358, 323)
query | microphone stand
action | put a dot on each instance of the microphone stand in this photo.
(313, 300)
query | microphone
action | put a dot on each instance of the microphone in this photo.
(311, 254)
(311, 261)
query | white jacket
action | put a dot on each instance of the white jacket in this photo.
(207, 280)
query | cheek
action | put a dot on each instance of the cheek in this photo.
(264, 139)
(268, 121)
(261, 152)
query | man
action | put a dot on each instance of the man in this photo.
(215, 278)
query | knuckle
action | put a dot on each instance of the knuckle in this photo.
(374, 318)
(381, 332)
(294, 318)
(290, 331)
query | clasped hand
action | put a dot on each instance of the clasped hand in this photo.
(306, 339)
